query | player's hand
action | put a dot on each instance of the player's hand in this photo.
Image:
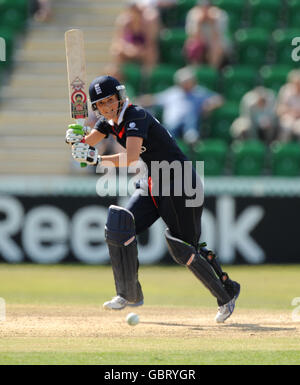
(84, 153)
(76, 133)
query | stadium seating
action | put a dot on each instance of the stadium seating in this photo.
(214, 154)
(237, 80)
(248, 157)
(221, 120)
(19, 5)
(274, 76)
(182, 8)
(132, 76)
(171, 46)
(285, 159)
(14, 19)
(14, 14)
(251, 46)
(262, 31)
(184, 147)
(160, 78)
(265, 13)
(207, 76)
(293, 13)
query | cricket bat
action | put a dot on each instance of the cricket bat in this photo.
(77, 83)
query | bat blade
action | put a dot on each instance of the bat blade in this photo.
(76, 69)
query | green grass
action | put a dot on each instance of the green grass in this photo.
(263, 287)
(36, 290)
(153, 358)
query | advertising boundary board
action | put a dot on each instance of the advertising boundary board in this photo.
(61, 220)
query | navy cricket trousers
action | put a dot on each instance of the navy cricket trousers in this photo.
(183, 222)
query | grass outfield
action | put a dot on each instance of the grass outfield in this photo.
(54, 316)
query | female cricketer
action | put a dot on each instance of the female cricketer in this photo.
(144, 137)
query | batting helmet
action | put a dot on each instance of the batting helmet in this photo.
(103, 87)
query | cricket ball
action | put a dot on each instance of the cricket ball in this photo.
(132, 319)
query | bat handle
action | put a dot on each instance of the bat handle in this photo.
(82, 165)
(81, 122)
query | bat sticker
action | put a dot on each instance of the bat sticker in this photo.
(78, 100)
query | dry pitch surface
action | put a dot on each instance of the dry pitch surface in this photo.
(164, 335)
(155, 322)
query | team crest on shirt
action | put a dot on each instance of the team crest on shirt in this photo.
(132, 126)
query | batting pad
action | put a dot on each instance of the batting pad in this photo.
(186, 254)
(122, 245)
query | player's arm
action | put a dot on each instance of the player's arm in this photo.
(124, 159)
(83, 152)
(94, 137)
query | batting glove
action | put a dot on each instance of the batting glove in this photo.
(84, 153)
(76, 133)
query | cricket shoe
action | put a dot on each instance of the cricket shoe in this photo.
(226, 310)
(119, 303)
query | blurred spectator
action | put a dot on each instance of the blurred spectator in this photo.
(41, 10)
(158, 4)
(161, 6)
(150, 10)
(258, 118)
(207, 30)
(289, 107)
(136, 35)
(184, 105)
